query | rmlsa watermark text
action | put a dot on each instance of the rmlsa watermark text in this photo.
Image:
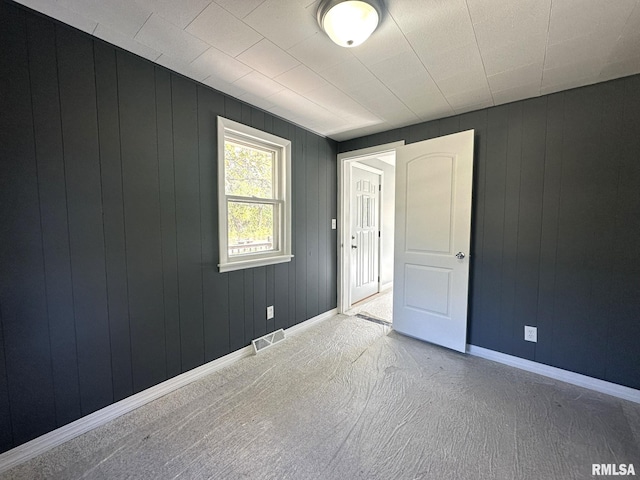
(613, 469)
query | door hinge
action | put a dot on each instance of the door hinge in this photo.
(379, 234)
(379, 187)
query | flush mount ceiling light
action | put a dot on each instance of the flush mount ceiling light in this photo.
(349, 23)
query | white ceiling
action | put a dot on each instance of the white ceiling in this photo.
(428, 59)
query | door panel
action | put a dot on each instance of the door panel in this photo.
(431, 205)
(427, 289)
(433, 224)
(365, 218)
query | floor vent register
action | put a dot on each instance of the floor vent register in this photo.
(262, 343)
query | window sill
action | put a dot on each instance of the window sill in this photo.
(255, 262)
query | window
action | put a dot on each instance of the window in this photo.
(254, 197)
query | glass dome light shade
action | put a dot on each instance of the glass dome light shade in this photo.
(350, 23)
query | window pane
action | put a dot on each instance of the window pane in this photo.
(251, 227)
(248, 171)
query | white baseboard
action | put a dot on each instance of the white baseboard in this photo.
(591, 383)
(37, 446)
(386, 286)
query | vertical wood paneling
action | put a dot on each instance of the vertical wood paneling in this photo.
(580, 191)
(623, 354)
(268, 123)
(601, 183)
(333, 202)
(236, 310)
(138, 135)
(546, 318)
(610, 145)
(529, 223)
(324, 225)
(247, 279)
(270, 299)
(113, 219)
(232, 109)
(299, 223)
(215, 285)
(281, 298)
(187, 185)
(602, 223)
(493, 234)
(53, 209)
(168, 226)
(86, 234)
(311, 184)
(245, 114)
(511, 223)
(292, 266)
(607, 143)
(257, 119)
(260, 302)
(22, 278)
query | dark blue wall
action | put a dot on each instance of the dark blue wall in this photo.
(556, 226)
(108, 227)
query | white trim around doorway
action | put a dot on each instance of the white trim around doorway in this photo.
(345, 160)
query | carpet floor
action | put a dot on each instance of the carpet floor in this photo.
(351, 399)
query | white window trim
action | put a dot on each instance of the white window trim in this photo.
(283, 254)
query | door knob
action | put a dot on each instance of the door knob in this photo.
(354, 246)
(459, 255)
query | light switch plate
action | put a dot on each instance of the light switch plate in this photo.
(334, 224)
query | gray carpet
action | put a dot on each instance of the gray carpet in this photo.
(349, 399)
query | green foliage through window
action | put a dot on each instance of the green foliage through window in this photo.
(249, 173)
(250, 227)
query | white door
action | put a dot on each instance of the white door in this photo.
(365, 218)
(433, 226)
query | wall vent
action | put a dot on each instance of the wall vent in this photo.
(266, 341)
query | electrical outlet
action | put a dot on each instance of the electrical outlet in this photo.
(269, 312)
(530, 334)
(334, 224)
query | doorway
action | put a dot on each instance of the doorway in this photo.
(432, 235)
(362, 291)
